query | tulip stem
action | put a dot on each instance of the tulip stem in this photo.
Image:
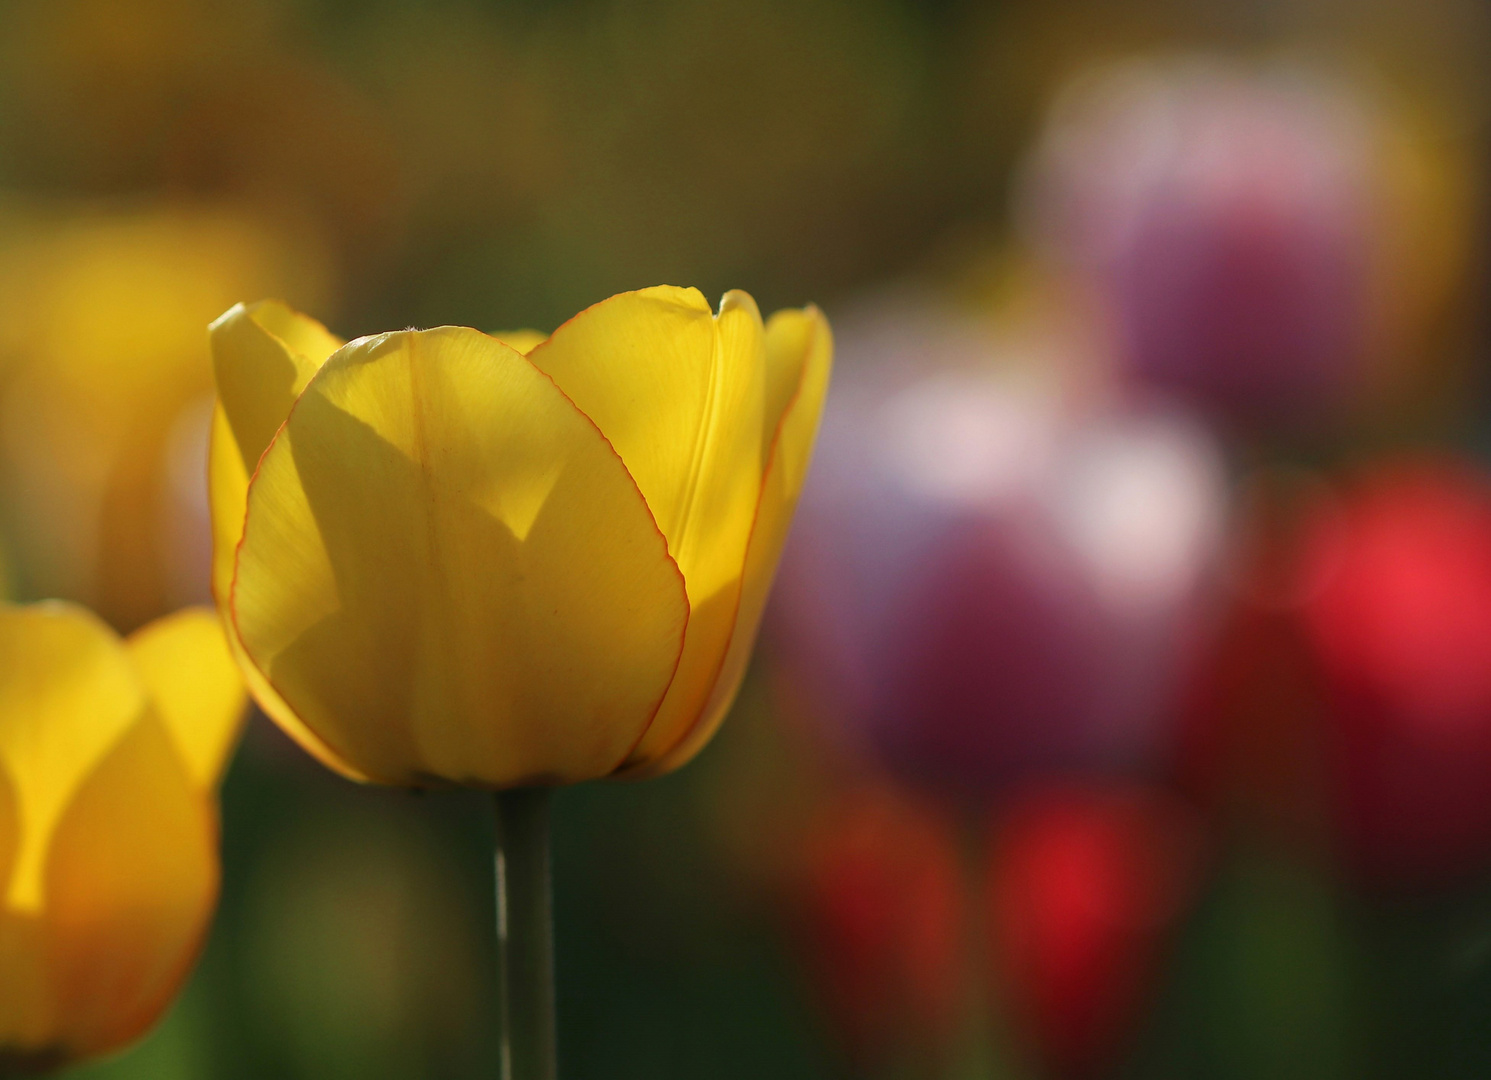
(525, 935)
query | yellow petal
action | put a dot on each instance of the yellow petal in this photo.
(195, 686)
(68, 693)
(681, 394)
(131, 883)
(447, 572)
(263, 355)
(800, 356)
(227, 490)
(68, 696)
(26, 1005)
(10, 828)
(522, 340)
(227, 498)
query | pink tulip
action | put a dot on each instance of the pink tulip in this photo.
(986, 581)
(1228, 217)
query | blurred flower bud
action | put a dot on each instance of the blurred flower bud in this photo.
(1350, 702)
(1401, 629)
(1240, 224)
(883, 908)
(1085, 883)
(110, 755)
(1251, 742)
(986, 581)
(106, 390)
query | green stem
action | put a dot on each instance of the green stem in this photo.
(525, 935)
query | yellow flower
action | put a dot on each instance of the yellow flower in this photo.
(503, 561)
(110, 753)
(105, 393)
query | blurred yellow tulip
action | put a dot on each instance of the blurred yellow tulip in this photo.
(105, 393)
(508, 560)
(110, 754)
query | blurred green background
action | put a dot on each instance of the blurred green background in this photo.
(505, 164)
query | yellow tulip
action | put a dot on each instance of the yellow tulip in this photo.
(110, 754)
(508, 560)
(105, 391)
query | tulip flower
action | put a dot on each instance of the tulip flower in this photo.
(1085, 884)
(1251, 741)
(1352, 702)
(885, 927)
(988, 581)
(1400, 628)
(1244, 226)
(107, 390)
(110, 754)
(508, 562)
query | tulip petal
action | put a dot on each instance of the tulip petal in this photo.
(227, 489)
(10, 828)
(26, 1004)
(132, 879)
(195, 686)
(68, 693)
(680, 393)
(263, 355)
(447, 572)
(800, 356)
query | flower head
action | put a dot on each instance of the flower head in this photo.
(110, 753)
(464, 561)
(989, 582)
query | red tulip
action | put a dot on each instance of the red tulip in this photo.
(1401, 629)
(1350, 704)
(1252, 736)
(1085, 884)
(884, 919)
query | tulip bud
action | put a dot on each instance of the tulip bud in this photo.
(1231, 220)
(884, 922)
(103, 443)
(987, 582)
(1349, 707)
(110, 754)
(1085, 885)
(1400, 627)
(459, 562)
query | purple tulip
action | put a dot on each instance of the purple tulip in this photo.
(1228, 217)
(984, 581)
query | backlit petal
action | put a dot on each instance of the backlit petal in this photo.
(25, 991)
(263, 355)
(448, 573)
(227, 490)
(800, 356)
(681, 394)
(131, 882)
(195, 685)
(10, 828)
(68, 694)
